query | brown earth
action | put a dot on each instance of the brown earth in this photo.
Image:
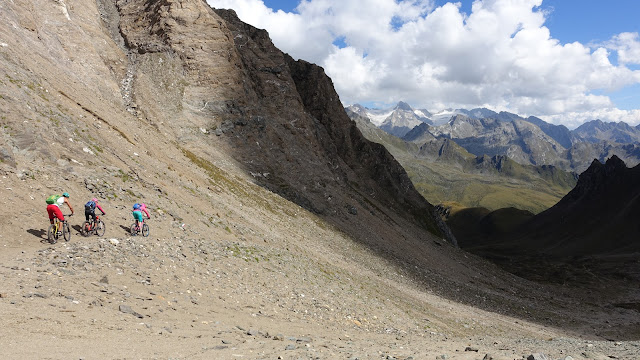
(275, 232)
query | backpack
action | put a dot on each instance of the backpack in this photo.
(90, 205)
(52, 199)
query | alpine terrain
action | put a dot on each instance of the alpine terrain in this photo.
(448, 175)
(528, 141)
(277, 230)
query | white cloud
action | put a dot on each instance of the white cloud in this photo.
(628, 47)
(500, 55)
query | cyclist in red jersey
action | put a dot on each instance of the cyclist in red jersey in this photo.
(54, 209)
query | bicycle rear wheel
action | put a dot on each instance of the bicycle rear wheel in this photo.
(51, 234)
(134, 231)
(100, 229)
(145, 230)
(66, 231)
(86, 228)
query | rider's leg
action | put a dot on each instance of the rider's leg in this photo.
(91, 217)
(51, 211)
(58, 214)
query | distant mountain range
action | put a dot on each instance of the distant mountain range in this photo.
(529, 141)
(444, 172)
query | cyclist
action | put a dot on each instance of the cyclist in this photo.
(143, 208)
(90, 209)
(137, 215)
(53, 209)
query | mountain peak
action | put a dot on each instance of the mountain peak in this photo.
(614, 164)
(597, 176)
(403, 106)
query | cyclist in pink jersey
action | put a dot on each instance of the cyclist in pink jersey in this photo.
(143, 208)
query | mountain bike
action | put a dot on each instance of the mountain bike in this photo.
(93, 227)
(59, 228)
(135, 230)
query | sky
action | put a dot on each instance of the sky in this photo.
(565, 61)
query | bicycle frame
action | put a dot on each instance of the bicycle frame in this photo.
(59, 226)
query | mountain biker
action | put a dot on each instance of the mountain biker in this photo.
(143, 208)
(137, 215)
(54, 209)
(90, 209)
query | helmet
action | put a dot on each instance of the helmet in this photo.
(136, 206)
(65, 194)
(94, 199)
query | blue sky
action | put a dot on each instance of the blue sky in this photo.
(566, 61)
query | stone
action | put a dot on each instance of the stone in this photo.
(128, 310)
(537, 356)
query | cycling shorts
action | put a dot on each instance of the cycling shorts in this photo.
(90, 214)
(54, 212)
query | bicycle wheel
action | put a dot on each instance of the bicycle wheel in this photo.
(100, 229)
(86, 228)
(145, 230)
(134, 231)
(51, 234)
(66, 231)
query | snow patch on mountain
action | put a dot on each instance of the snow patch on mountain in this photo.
(378, 117)
(443, 117)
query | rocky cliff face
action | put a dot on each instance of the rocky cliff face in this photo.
(169, 79)
(281, 119)
(322, 161)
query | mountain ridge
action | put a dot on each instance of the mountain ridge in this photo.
(444, 172)
(483, 131)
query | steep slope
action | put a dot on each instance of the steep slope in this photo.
(344, 156)
(199, 116)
